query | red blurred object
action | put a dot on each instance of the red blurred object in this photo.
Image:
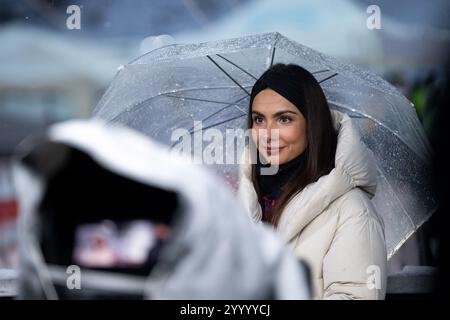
(8, 232)
(8, 209)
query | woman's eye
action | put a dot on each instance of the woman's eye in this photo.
(285, 119)
(257, 120)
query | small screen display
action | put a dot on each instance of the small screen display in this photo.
(109, 244)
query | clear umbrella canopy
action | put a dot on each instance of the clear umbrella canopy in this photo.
(174, 86)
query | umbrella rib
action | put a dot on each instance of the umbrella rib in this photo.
(203, 100)
(164, 95)
(273, 56)
(227, 74)
(237, 66)
(328, 78)
(213, 125)
(320, 71)
(220, 110)
(229, 105)
(219, 123)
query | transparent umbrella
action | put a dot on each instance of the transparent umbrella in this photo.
(174, 86)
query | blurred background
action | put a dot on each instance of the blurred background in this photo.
(57, 58)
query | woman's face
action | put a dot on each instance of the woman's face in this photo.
(272, 111)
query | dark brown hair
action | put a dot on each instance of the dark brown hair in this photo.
(322, 139)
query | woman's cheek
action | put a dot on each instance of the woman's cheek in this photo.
(255, 136)
(287, 135)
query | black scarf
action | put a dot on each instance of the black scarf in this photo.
(271, 186)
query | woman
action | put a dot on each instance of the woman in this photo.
(319, 199)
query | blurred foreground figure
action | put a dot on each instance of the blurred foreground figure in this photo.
(106, 213)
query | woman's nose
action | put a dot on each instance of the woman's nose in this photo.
(273, 127)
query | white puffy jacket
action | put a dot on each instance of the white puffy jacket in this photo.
(332, 223)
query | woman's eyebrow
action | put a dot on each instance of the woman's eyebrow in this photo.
(279, 113)
(257, 113)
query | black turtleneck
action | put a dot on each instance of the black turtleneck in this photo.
(271, 186)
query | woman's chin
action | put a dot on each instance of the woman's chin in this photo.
(275, 159)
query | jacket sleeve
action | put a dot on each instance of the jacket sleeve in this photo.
(355, 264)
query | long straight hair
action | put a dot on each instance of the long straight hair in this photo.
(321, 137)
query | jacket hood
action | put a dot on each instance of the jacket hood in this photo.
(354, 168)
(214, 251)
